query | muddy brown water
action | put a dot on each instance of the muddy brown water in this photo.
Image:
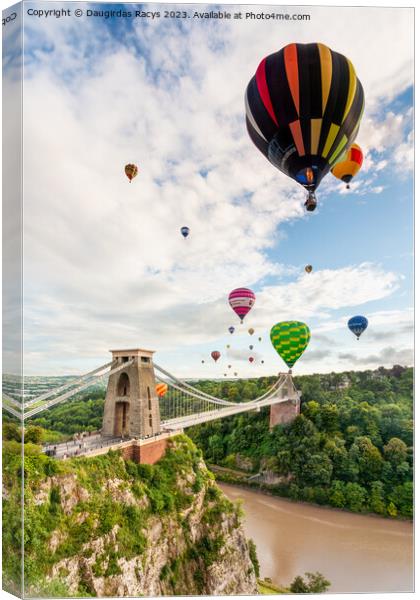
(357, 553)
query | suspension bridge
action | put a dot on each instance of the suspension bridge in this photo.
(132, 409)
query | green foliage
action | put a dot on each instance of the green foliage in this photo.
(82, 413)
(199, 580)
(164, 489)
(253, 556)
(313, 583)
(34, 434)
(11, 431)
(351, 447)
(209, 548)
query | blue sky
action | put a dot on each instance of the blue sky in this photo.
(105, 265)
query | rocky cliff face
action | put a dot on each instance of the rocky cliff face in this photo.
(107, 527)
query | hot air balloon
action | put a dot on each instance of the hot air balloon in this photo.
(262, 362)
(161, 389)
(308, 268)
(251, 331)
(215, 355)
(202, 362)
(251, 347)
(185, 231)
(303, 110)
(224, 374)
(227, 345)
(290, 339)
(260, 339)
(229, 366)
(241, 301)
(357, 325)
(251, 359)
(131, 171)
(349, 166)
(231, 329)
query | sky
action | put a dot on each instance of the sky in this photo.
(105, 265)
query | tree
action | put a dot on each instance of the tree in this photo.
(216, 447)
(11, 431)
(402, 500)
(315, 584)
(330, 418)
(316, 470)
(33, 434)
(355, 497)
(311, 411)
(395, 451)
(337, 496)
(368, 459)
(377, 500)
(392, 510)
(397, 371)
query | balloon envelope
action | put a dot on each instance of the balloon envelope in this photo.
(308, 268)
(161, 389)
(290, 340)
(251, 331)
(131, 171)
(251, 359)
(357, 325)
(251, 347)
(350, 165)
(231, 329)
(185, 231)
(215, 355)
(241, 301)
(303, 110)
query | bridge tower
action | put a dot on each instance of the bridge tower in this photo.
(131, 405)
(287, 411)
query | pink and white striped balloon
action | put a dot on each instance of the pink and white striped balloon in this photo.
(241, 301)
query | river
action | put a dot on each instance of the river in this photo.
(357, 553)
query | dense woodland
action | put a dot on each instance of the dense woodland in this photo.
(350, 448)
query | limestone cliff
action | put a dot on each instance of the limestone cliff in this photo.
(108, 527)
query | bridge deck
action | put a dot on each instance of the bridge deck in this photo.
(96, 444)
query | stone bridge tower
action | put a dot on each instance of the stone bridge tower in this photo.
(131, 405)
(287, 411)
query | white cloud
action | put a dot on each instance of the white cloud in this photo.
(105, 264)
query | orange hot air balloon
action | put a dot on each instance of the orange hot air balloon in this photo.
(349, 166)
(131, 171)
(161, 389)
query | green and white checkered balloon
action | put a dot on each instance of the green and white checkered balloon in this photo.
(290, 340)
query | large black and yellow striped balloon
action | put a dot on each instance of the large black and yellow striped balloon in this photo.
(303, 110)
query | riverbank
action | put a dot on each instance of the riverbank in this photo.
(241, 479)
(356, 553)
(267, 588)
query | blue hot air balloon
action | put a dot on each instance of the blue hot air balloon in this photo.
(231, 329)
(185, 231)
(357, 325)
